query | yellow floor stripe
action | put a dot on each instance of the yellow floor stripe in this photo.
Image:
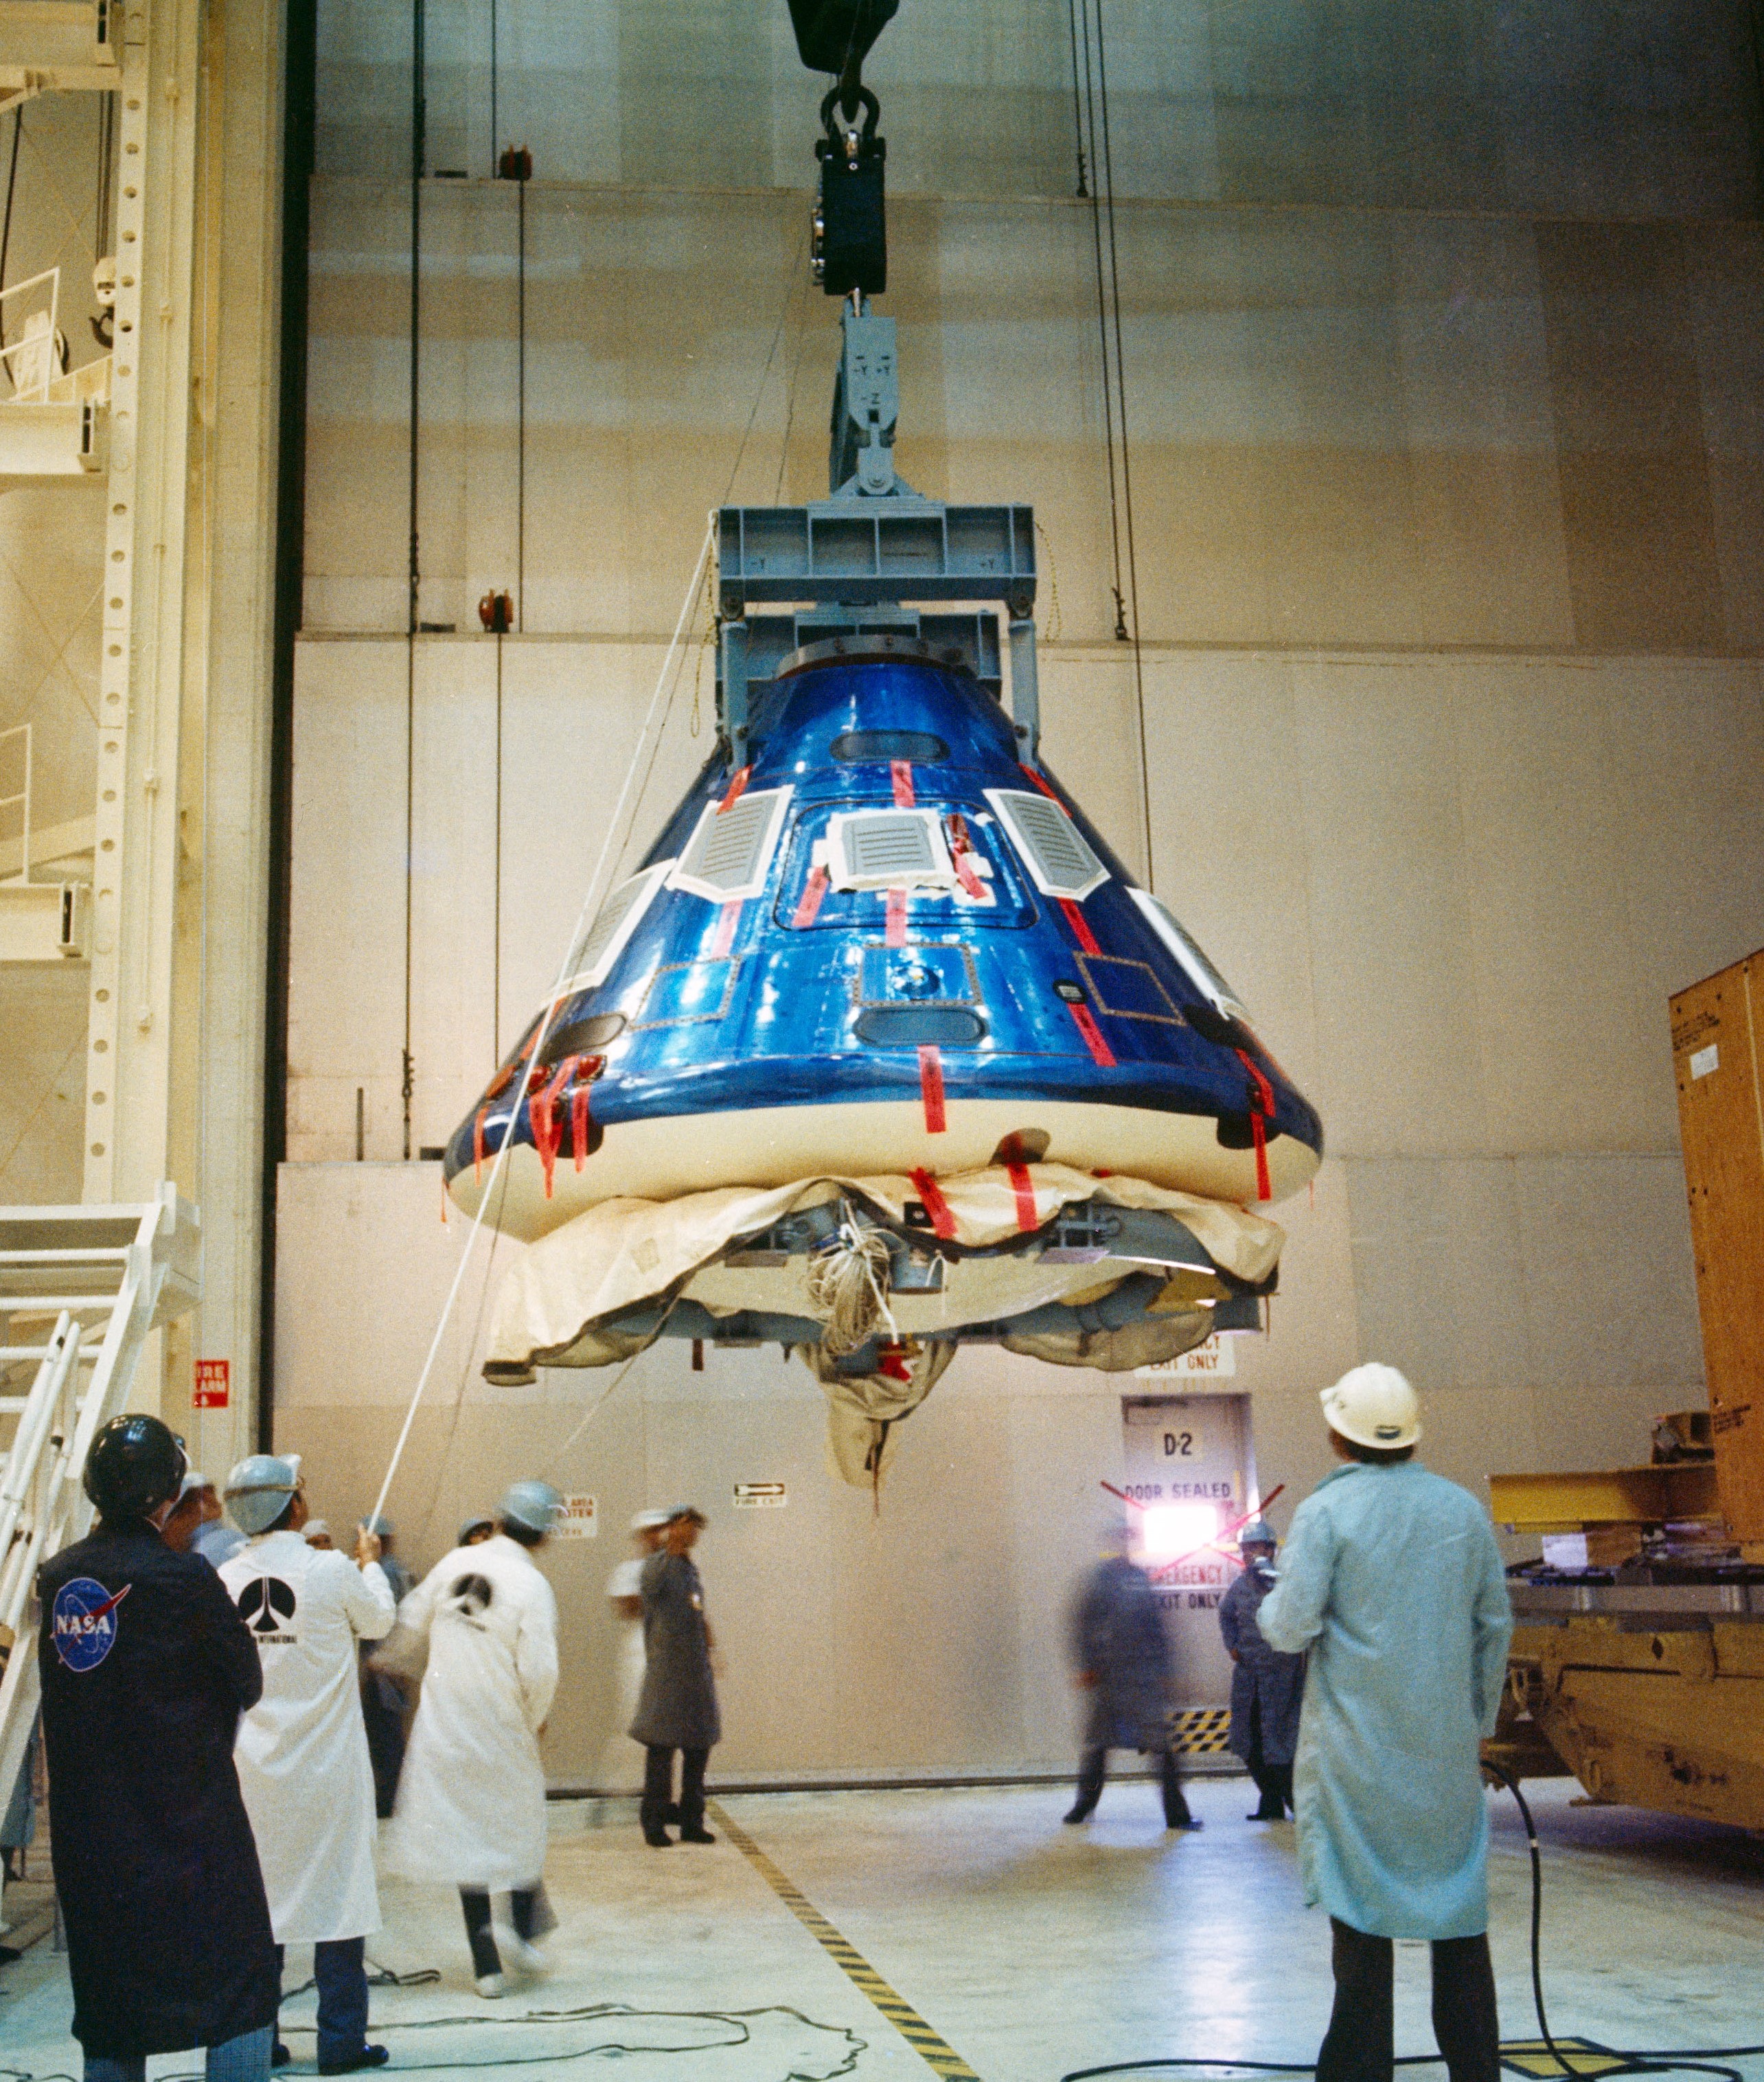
(936, 2053)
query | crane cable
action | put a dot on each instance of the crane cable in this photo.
(1101, 198)
(590, 905)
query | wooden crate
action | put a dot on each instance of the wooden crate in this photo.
(1717, 1045)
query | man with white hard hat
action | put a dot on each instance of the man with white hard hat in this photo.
(1391, 1578)
(471, 1810)
(302, 1752)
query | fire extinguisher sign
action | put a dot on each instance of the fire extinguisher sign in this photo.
(214, 1382)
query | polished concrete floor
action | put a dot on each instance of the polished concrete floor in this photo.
(1028, 1948)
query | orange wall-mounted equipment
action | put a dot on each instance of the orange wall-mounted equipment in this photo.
(1718, 1059)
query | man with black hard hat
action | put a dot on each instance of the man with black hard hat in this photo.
(146, 1667)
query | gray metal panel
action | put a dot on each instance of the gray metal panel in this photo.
(852, 554)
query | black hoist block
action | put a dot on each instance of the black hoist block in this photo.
(834, 35)
(850, 248)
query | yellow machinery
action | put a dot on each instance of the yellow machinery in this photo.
(1638, 1653)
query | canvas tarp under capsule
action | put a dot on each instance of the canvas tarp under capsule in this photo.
(560, 1305)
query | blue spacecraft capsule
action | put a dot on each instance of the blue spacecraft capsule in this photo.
(885, 944)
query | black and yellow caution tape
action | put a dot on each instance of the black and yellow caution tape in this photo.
(1201, 1731)
(937, 2052)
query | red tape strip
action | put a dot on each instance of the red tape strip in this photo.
(894, 934)
(931, 1087)
(900, 773)
(1080, 928)
(726, 929)
(814, 890)
(1092, 1033)
(942, 1221)
(1038, 780)
(737, 788)
(542, 1117)
(1024, 1187)
(579, 1123)
(1262, 1109)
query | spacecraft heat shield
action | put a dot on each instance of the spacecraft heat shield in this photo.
(883, 948)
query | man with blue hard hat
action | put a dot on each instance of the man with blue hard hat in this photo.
(1392, 1581)
(302, 1752)
(146, 1667)
(471, 1810)
(1267, 1688)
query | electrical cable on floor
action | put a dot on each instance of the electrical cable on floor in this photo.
(733, 2020)
(1688, 2060)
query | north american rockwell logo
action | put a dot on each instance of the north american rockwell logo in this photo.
(267, 1605)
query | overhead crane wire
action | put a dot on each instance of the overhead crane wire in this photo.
(591, 905)
(1102, 197)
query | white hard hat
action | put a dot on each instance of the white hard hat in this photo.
(649, 1521)
(1373, 1406)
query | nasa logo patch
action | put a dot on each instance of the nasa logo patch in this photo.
(83, 1623)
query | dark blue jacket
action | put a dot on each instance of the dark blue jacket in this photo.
(146, 1667)
(1264, 1680)
(1118, 1641)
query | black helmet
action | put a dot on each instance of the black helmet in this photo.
(134, 1465)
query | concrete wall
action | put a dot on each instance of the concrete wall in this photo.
(1442, 368)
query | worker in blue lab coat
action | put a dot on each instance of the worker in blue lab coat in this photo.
(1391, 1578)
(1266, 1687)
(1123, 1662)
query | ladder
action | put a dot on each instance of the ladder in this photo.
(80, 1289)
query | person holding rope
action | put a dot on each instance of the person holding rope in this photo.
(302, 1752)
(471, 1807)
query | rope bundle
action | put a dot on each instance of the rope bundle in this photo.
(848, 1283)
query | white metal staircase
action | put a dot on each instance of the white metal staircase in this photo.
(80, 1290)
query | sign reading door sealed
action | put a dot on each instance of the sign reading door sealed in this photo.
(1190, 1471)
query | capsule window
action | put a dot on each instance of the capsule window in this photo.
(919, 748)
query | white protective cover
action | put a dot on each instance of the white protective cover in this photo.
(302, 1750)
(471, 1807)
(550, 1308)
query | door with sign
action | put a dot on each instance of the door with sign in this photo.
(1190, 1472)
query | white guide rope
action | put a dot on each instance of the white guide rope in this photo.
(590, 905)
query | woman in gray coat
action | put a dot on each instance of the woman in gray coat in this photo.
(677, 1707)
(1267, 1688)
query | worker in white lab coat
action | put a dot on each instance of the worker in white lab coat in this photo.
(471, 1810)
(621, 1763)
(301, 1752)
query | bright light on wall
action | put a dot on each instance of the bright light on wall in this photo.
(1167, 1530)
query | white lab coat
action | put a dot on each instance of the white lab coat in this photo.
(471, 1809)
(302, 1750)
(621, 1760)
